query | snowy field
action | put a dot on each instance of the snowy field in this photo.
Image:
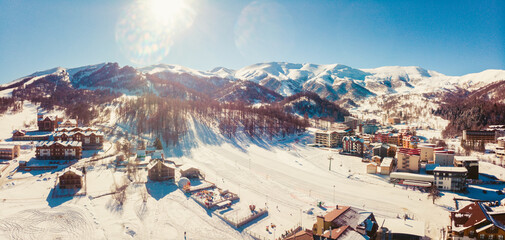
(284, 175)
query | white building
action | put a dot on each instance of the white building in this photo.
(450, 178)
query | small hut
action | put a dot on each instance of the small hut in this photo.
(189, 172)
(71, 179)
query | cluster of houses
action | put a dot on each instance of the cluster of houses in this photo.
(425, 165)
(60, 138)
(158, 167)
(402, 152)
(346, 223)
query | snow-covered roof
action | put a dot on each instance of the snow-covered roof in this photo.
(154, 162)
(85, 133)
(7, 145)
(73, 170)
(70, 129)
(451, 169)
(64, 143)
(466, 158)
(407, 226)
(187, 167)
(412, 176)
(386, 162)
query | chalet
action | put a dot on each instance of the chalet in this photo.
(18, 133)
(470, 163)
(159, 171)
(409, 160)
(189, 172)
(71, 179)
(51, 123)
(344, 216)
(353, 145)
(89, 140)
(477, 221)
(450, 178)
(59, 150)
(9, 151)
(48, 123)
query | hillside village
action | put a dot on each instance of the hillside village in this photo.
(72, 158)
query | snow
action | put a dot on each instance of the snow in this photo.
(11, 121)
(403, 226)
(285, 175)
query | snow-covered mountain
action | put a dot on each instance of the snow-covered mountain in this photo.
(338, 82)
(335, 82)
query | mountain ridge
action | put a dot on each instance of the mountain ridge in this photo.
(335, 82)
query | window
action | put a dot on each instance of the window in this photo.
(482, 236)
(491, 237)
(500, 237)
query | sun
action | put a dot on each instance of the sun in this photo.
(166, 11)
(147, 29)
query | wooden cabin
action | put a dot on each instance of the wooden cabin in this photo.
(71, 179)
(157, 170)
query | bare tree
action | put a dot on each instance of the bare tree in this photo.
(434, 193)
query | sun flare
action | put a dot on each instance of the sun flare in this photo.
(166, 11)
(147, 30)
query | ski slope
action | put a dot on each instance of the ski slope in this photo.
(284, 175)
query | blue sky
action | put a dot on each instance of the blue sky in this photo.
(452, 37)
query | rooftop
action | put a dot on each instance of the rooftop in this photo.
(335, 213)
(64, 143)
(386, 162)
(451, 169)
(466, 158)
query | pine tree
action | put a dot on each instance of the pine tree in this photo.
(157, 144)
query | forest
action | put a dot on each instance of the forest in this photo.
(470, 110)
(300, 103)
(167, 117)
(53, 93)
